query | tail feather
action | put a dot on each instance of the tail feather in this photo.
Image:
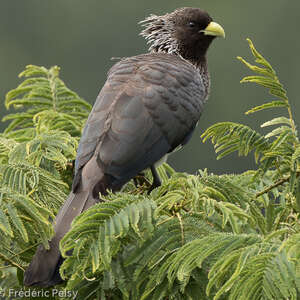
(44, 268)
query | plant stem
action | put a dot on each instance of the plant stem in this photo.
(292, 121)
(272, 186)
(3, 257)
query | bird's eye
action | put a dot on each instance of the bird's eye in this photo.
(191, 24)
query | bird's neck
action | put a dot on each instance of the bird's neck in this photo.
(199, 62)
(201, 65)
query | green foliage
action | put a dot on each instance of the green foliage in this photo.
(279, 148)
(47, 103)
(36, 153)
(201, 236)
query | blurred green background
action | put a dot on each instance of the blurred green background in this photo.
(81, 37)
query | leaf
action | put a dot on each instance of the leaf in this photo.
(45, 96)
(278, 131)
(230, 137)
(5, 225)
(16, 220)
(272, 104)
(115, 225)
(276, 121)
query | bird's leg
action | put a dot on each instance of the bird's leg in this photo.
(156, 180)
(139, 179)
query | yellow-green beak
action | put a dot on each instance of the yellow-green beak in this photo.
(214, 29)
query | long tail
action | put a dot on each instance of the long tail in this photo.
(44, 268)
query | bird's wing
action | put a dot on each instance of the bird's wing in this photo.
(148, 106)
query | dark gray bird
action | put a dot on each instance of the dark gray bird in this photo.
(149, 106)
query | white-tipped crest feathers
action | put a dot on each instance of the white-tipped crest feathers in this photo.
(159, 32)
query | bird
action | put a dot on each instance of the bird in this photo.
(149, 106)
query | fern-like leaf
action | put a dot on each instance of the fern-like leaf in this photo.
(229, 137)
(47, 101)
(106, 224)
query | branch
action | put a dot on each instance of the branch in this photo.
(3, 257)
(276, 184)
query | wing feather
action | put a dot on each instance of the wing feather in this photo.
(148, 106)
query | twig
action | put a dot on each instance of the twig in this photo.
(181, 227)
(3, 257)
(277, 183)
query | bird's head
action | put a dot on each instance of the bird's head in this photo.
(187, 32)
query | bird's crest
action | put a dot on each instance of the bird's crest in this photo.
(159, 32)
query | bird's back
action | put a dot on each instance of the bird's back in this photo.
(148, 106)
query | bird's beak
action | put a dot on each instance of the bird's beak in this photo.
(214, 29)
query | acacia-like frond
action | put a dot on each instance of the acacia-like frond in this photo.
(29, 196)
(229, 137)
(46, 101)
(6, 146)
(41, 185)
(22, 217)
(268, 77)
(252, 268)
(101, 230)
(217, 198)
(50, 150)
